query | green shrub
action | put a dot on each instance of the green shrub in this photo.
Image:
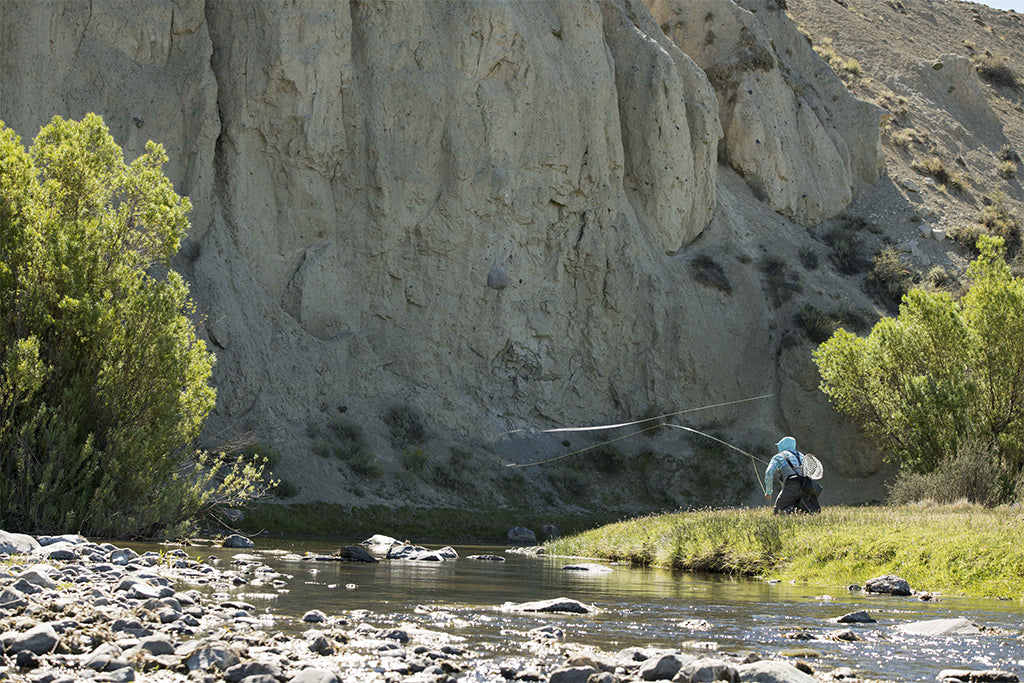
(415, 459)
(808, 258)
(972, 474)
(847, 250)
(708, 272)
(891, 277)
(104, 385)
(1007, 169)
(816, 325)
(405, 426)
(940, 375)
(933, 167)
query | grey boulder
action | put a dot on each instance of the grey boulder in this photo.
(39, 639)
(889, 584)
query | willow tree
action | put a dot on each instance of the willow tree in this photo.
(104, 385)
(942, 374)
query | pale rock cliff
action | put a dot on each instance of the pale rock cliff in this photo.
(485, 212)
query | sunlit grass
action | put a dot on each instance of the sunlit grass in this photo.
(955, 549)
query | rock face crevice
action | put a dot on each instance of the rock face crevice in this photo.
(361, 170)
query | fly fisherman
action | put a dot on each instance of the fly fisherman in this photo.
(798, 492)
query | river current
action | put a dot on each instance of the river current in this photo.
(650, 608)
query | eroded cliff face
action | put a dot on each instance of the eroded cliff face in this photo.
(486, 212)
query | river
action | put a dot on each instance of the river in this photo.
(638, 608)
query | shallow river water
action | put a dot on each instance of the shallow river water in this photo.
(638, 608)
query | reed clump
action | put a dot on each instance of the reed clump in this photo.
(961, 548)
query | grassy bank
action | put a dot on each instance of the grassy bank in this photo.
(959, 549)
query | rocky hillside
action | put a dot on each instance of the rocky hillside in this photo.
(426, 231)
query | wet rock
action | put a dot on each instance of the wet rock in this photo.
(565, 605)
(521, 536)
(662, 667)
(314, 616)
(706, 671)
(845, 635)
(860, 617)
(573, 674)
(695, 625)
(941, 627)
(888, 584)
(13, 544)
(486, 558)
(237, 541)
(448, 553)
(39, 639)
(843, 673)
(354, 553)
(380, 540)
(771, 671)
(546, 633)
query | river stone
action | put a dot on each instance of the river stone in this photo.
(61, 551)
(497, 278)
(244, 670)
(39, 639)
(448, 553)
(39, 575)
(572, 674)
(941, 627)
(13, 544)
(486, 558)
(521, 536)
(237, 541)
(770, 671)
(106, 657)
(314, 616)
(73, 539)
(984, 676)
(122, 675)
(860, 617)
(354, 553)
(662, 667)
(314, 676)
(212, 656)
(566, 605)
(888, 584)
(11, 599)
(707, 670)
(156, 644)
(26, 660)
(121, 556)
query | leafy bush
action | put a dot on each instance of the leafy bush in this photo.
(818, 326)
(890, 277)
(942, 374)
(933, 167)
(405, 425)
(103, 382)
(847, 250)
(972, 474)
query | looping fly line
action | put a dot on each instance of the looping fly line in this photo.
(650, 423)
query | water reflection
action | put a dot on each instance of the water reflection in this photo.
(639, 607)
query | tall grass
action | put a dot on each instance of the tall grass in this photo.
(952, 549)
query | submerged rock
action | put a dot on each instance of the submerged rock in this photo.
(237, 541)
(941, 627)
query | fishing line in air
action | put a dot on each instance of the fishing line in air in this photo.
(649, 426)
(645, 420)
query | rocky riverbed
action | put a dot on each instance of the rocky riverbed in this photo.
(72, 609)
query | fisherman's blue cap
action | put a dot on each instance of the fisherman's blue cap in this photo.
(787, 443)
